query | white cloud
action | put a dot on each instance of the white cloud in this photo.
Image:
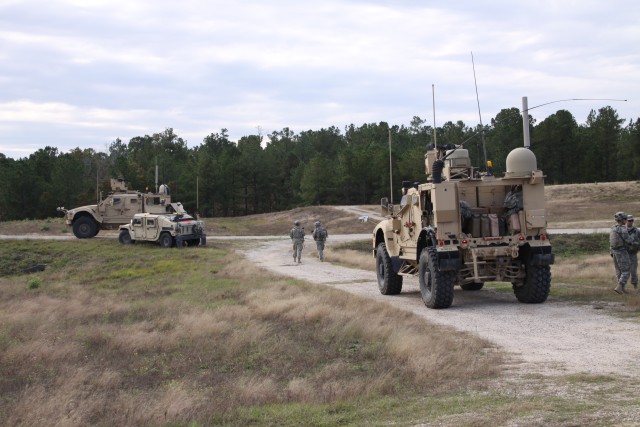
(79, 72)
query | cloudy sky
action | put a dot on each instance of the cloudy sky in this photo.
(81, 73)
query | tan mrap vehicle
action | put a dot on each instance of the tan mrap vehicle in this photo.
(116, 209)
(465, 228)
(168, 230)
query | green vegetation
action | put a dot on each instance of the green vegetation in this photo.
(363, 246)
(571, 245)
(282, 170)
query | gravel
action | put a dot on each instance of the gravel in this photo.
(553, 338)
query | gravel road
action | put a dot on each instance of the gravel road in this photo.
(551, 338)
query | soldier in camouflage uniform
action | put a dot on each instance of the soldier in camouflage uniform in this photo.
(320, 234)
(297, 237)
(619, 241)
(634, 234)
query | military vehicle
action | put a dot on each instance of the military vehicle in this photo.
(117, 208)
(168, 230)
(464, 228)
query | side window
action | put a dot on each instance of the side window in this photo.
(117, 200)
(137, 221)
(151, 222)
(403, 201)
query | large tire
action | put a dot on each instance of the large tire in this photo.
(436, 286)
(125, 238)
(166, 241)
(85, 227)
(536, 286)
(472, 286)
(389, 282)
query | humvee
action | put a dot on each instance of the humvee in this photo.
(117, 208)
(168, 230)
(464, 228)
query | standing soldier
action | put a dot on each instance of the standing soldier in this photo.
(619, 241)
(634, 234)
(297, 237)
(320, 234)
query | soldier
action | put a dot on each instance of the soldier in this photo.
(297, 237)
(619, 240)
(320, 234)
(633, 247)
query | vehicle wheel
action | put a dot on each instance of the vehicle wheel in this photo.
(472, 286)
(436, 286)
(166, 241)
(125, 238)
(389, 282)
(84, 227)
(536, 285)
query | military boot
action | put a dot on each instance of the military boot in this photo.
(619, 289)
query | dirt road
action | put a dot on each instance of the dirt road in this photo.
(549, 338)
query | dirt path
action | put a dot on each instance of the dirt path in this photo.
(549, 338)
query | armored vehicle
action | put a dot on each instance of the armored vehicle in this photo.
(117, 208)
(464, 228)
(168, 230)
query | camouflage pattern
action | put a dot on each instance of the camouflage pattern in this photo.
(297, 237)
(320, 234)
(619, 241)
(634, 245)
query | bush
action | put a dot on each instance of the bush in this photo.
(34, 283)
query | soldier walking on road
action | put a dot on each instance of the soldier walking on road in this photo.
(320, 234)
(634, 234)
(619, 242)
(297, 237)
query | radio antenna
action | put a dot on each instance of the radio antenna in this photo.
(433, 100)
(484, 147)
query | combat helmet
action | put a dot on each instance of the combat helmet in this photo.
(317, 224)
(620, 216)
(296, 223)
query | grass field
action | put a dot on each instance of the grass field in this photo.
(136, 335)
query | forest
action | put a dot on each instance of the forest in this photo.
(283, 170)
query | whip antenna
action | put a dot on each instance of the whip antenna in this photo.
(484, 147)
(433, 100)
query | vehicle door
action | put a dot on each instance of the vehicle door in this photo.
(151, 228)
(118, 209)
(137, 228)
(411, 219)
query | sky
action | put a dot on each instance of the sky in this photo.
(82, 73)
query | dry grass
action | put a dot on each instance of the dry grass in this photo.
(351, 258)
(177, 340)
(590, 205)
(279, 223)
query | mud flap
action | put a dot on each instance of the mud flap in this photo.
(542, 259)
(449, 261)
(396, 263)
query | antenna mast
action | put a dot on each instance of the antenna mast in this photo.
(390, 169)
(484, 147)
(433, 96)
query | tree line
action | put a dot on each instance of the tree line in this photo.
(283, 170)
